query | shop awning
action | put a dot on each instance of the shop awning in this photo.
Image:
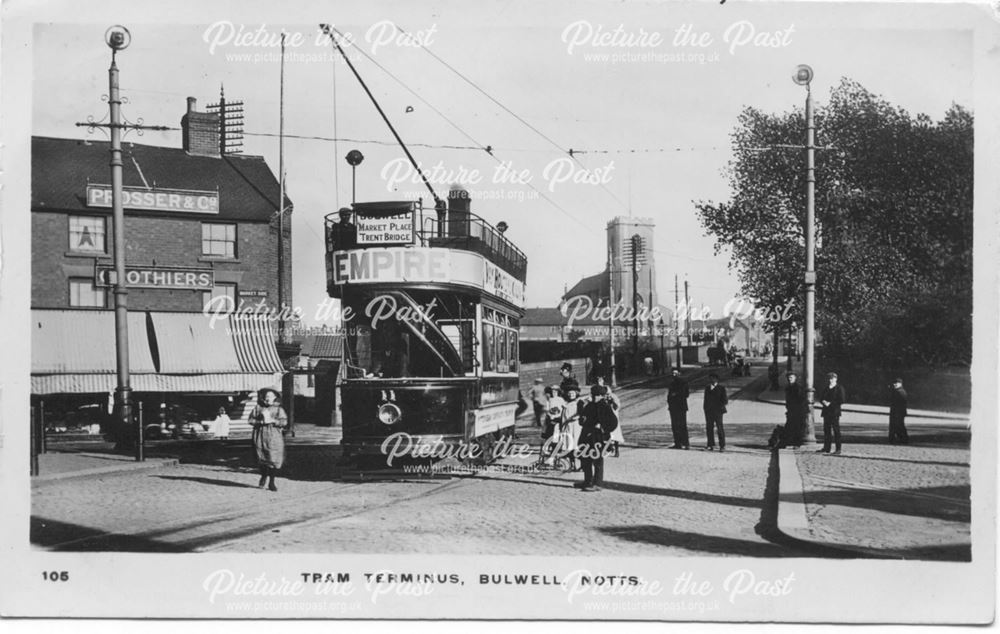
(73, 351)
(190, 343)
(254, 341)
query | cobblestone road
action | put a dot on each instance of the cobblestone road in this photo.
(656, 501)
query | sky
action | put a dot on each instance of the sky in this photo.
(652, 115)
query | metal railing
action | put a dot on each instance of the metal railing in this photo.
(469, 232)
(465, 231)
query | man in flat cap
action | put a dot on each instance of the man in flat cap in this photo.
(831, 398)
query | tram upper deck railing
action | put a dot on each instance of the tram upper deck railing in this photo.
(456, 228)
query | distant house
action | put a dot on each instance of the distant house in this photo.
(321, 351)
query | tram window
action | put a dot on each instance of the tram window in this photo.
(512, 352)
(501, 350)
(459, 333)
(489, 352)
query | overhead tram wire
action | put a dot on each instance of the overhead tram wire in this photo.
(437, 200)
(486, 148)
(569, 152)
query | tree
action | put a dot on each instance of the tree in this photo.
(893, 220)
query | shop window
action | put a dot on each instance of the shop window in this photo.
(218, 240)
(88, 234)
(83, 294)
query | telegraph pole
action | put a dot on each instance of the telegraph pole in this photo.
(281, 196)
(803, 76)
(687, 322)
(677, 323)
(611, 316)
(118, 38)
(636, 245)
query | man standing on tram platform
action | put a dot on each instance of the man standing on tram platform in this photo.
(344, 234)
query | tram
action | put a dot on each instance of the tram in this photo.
(432, 304)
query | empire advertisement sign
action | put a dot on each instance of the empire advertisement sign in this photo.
(425, 265)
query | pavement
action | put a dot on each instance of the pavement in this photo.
(874, 501)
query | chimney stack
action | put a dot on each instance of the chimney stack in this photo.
(199, 131)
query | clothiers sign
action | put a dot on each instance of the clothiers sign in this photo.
(158, 277)
(139, 198)
(366, 266)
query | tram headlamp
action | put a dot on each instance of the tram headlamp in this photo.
(389, 413)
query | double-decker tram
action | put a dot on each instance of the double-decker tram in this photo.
(431, 305)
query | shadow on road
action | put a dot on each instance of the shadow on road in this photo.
(697, 542)
(213, 481)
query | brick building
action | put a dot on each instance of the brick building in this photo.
(187, 210)
(198, 224)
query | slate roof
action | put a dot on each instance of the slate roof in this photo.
(323, 346)
(594, 286)
(61, 169)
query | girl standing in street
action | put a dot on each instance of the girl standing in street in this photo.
(269, 420)
(553, 419)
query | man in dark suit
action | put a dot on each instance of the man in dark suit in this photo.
(796, 410)
(677, 405)
(832, 397)
(715, 406)
(597, 421)
(897, 413)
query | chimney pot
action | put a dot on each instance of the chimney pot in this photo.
(192, 104)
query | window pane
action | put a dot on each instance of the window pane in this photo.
(488, 349)
(227, 290)
(87, 234)
(218, 240)
(83, 294)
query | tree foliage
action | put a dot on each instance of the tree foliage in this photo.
(893, 211)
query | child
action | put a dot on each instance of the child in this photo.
(554, 405)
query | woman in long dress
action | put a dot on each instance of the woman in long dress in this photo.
(269, 420)
(570, 430)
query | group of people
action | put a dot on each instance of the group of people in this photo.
(576, 428)
(714, 406)
(831, 399)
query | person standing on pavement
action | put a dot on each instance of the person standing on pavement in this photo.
(677, 406)
(832, 398)
(796, 409)
(617, 438)
(715, 403)
(221, 425)
(538, 401)
(269, 420)
(597, 422)
(897, 413)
